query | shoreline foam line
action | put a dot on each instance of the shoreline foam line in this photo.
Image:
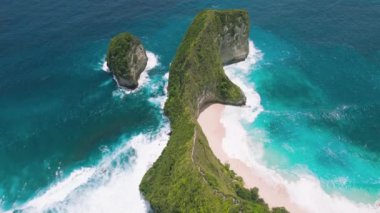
(112, 185)
(244, 156)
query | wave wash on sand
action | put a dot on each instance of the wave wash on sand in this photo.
(231, 143)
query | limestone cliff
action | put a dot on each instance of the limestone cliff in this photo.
(187, 177)
(126, 59)
(234, 38)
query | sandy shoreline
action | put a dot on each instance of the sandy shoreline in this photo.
(275, 195)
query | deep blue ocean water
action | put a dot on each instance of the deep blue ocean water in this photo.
(319, 82)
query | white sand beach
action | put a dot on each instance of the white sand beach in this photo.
(275, 195)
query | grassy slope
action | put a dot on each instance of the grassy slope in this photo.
(188, 177)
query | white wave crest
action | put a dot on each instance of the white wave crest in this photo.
(306, 190)
(113, 184)
(233, 117)
(152, 62)
(105, 67)
(110, 186)
(160, 100)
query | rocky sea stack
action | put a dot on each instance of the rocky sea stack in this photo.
(126, 59)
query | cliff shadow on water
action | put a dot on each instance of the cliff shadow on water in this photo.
(188, 177)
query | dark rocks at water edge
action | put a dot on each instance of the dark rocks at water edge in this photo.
(126, 59)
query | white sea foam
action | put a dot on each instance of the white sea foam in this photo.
(105, 66)
(306, 190)
(110, 186)
(59, 191)
(152, 61)
(160, 100)
(233, 116)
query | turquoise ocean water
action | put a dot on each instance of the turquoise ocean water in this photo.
(71, 141)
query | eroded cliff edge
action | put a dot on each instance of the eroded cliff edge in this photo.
(188, 177)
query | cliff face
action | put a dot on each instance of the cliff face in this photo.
(234, 38)
(126, 59)
(214, 39)
(188, 177)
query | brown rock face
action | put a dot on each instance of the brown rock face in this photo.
(234, 38)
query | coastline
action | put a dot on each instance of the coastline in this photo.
(230, 143)
(274, 195)
(187, 174)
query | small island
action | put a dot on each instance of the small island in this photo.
(187, 177)
(126, 59)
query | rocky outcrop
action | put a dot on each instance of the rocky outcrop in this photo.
(187, 177)
(126, 59)
(234, 38)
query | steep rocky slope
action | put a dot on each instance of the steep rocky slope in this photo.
(188, 177)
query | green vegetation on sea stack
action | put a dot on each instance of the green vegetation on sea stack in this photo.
(126, 59)
(188, 177)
